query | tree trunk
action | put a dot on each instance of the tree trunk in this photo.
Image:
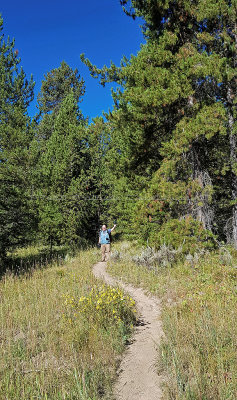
(3, 258)
(233, 148)
(201, 209)
(233, 163)
(51, 248)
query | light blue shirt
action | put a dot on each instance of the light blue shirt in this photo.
(104, 236)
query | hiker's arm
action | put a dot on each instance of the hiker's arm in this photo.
(113, 228)
(99, 238)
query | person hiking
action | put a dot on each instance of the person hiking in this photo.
(104, 241)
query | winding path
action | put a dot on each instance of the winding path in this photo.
(138, 378)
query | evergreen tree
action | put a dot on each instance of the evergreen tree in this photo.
(63, 173)
(100, 183)
(61, 155)
(174, 118)
(15, 136)
(57, 84)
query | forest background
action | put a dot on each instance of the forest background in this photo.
(162, 162)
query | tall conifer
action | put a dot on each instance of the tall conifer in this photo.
(173, 122)
(15, 136)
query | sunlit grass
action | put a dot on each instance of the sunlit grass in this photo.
(198, 355)
(48, 351)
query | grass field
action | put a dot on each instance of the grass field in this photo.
(199, 352)
(61, 332)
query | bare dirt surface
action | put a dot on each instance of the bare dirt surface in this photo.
(137, 377)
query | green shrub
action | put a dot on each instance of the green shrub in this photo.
(186, 233)
(104, 306)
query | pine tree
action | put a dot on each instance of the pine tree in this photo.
(60, 154)
(100, 183)
(57, 84)
(15, 136)
(63, 173)
(175, 115)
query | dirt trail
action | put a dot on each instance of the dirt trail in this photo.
(138, 379)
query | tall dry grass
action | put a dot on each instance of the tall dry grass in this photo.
(46, 352)
(198, 356)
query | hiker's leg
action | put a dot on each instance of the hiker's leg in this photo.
(107, 254)
(103, 248)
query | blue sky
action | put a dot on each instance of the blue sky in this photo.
(49, 31)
